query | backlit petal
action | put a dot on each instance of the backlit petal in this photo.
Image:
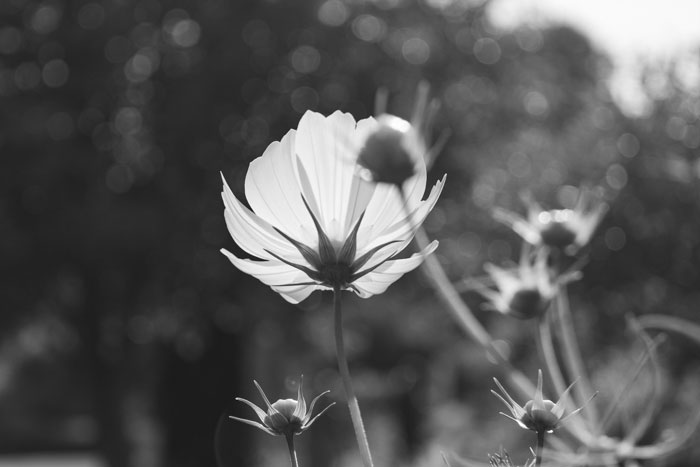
(272, 272)
(325, 148)
(296, 294)
(277, 275)
(403, 227)
(253, 234)
(383, 276)
(273, 191)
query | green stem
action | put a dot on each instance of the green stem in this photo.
(573, 358)
(353, 405)
(540, 447)
(292, 451)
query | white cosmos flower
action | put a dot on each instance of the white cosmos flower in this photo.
(315, 224)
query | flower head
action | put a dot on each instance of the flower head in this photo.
(397, 149)
(315, 224)
(566, 229)
(539, 414)
(524, 292)
(286, 416)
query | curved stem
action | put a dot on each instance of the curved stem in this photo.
(540, 447)
(292, 451)
(573, 358)
(353, 405)
(461, 312)
(546, 345)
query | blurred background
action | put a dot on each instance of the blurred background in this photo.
(126, 335)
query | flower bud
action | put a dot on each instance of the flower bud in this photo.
(544, 416)
(282, 417)
(387, 152)
(538, 414)
(286, 417)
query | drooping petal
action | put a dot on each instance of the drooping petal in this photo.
(273, 191)
(379, 279)
(325, 149)
(252, 233)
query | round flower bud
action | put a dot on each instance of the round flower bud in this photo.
(283, 419)
(541, 418)
(386, 154)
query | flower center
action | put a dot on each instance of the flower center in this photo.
(555, 228)
(337, 274)
(527, 303)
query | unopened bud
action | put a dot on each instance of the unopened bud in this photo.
(387, 152)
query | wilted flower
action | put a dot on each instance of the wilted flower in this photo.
(398, 149)
(284, 417)
(539, 414)
(567, 229)
(526, 291)
(315, 224)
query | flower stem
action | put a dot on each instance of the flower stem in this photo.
(540, 447)
(573, 358)
(353, 405)
(460, 311)
(544, 341)
(292, 451)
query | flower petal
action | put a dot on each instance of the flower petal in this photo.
(296, 294)
(278, 275)
(384, 275)
(253, 234)
(402, 229)
(268, 272)
(519, 225)
(273, 191)
(325, 167)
